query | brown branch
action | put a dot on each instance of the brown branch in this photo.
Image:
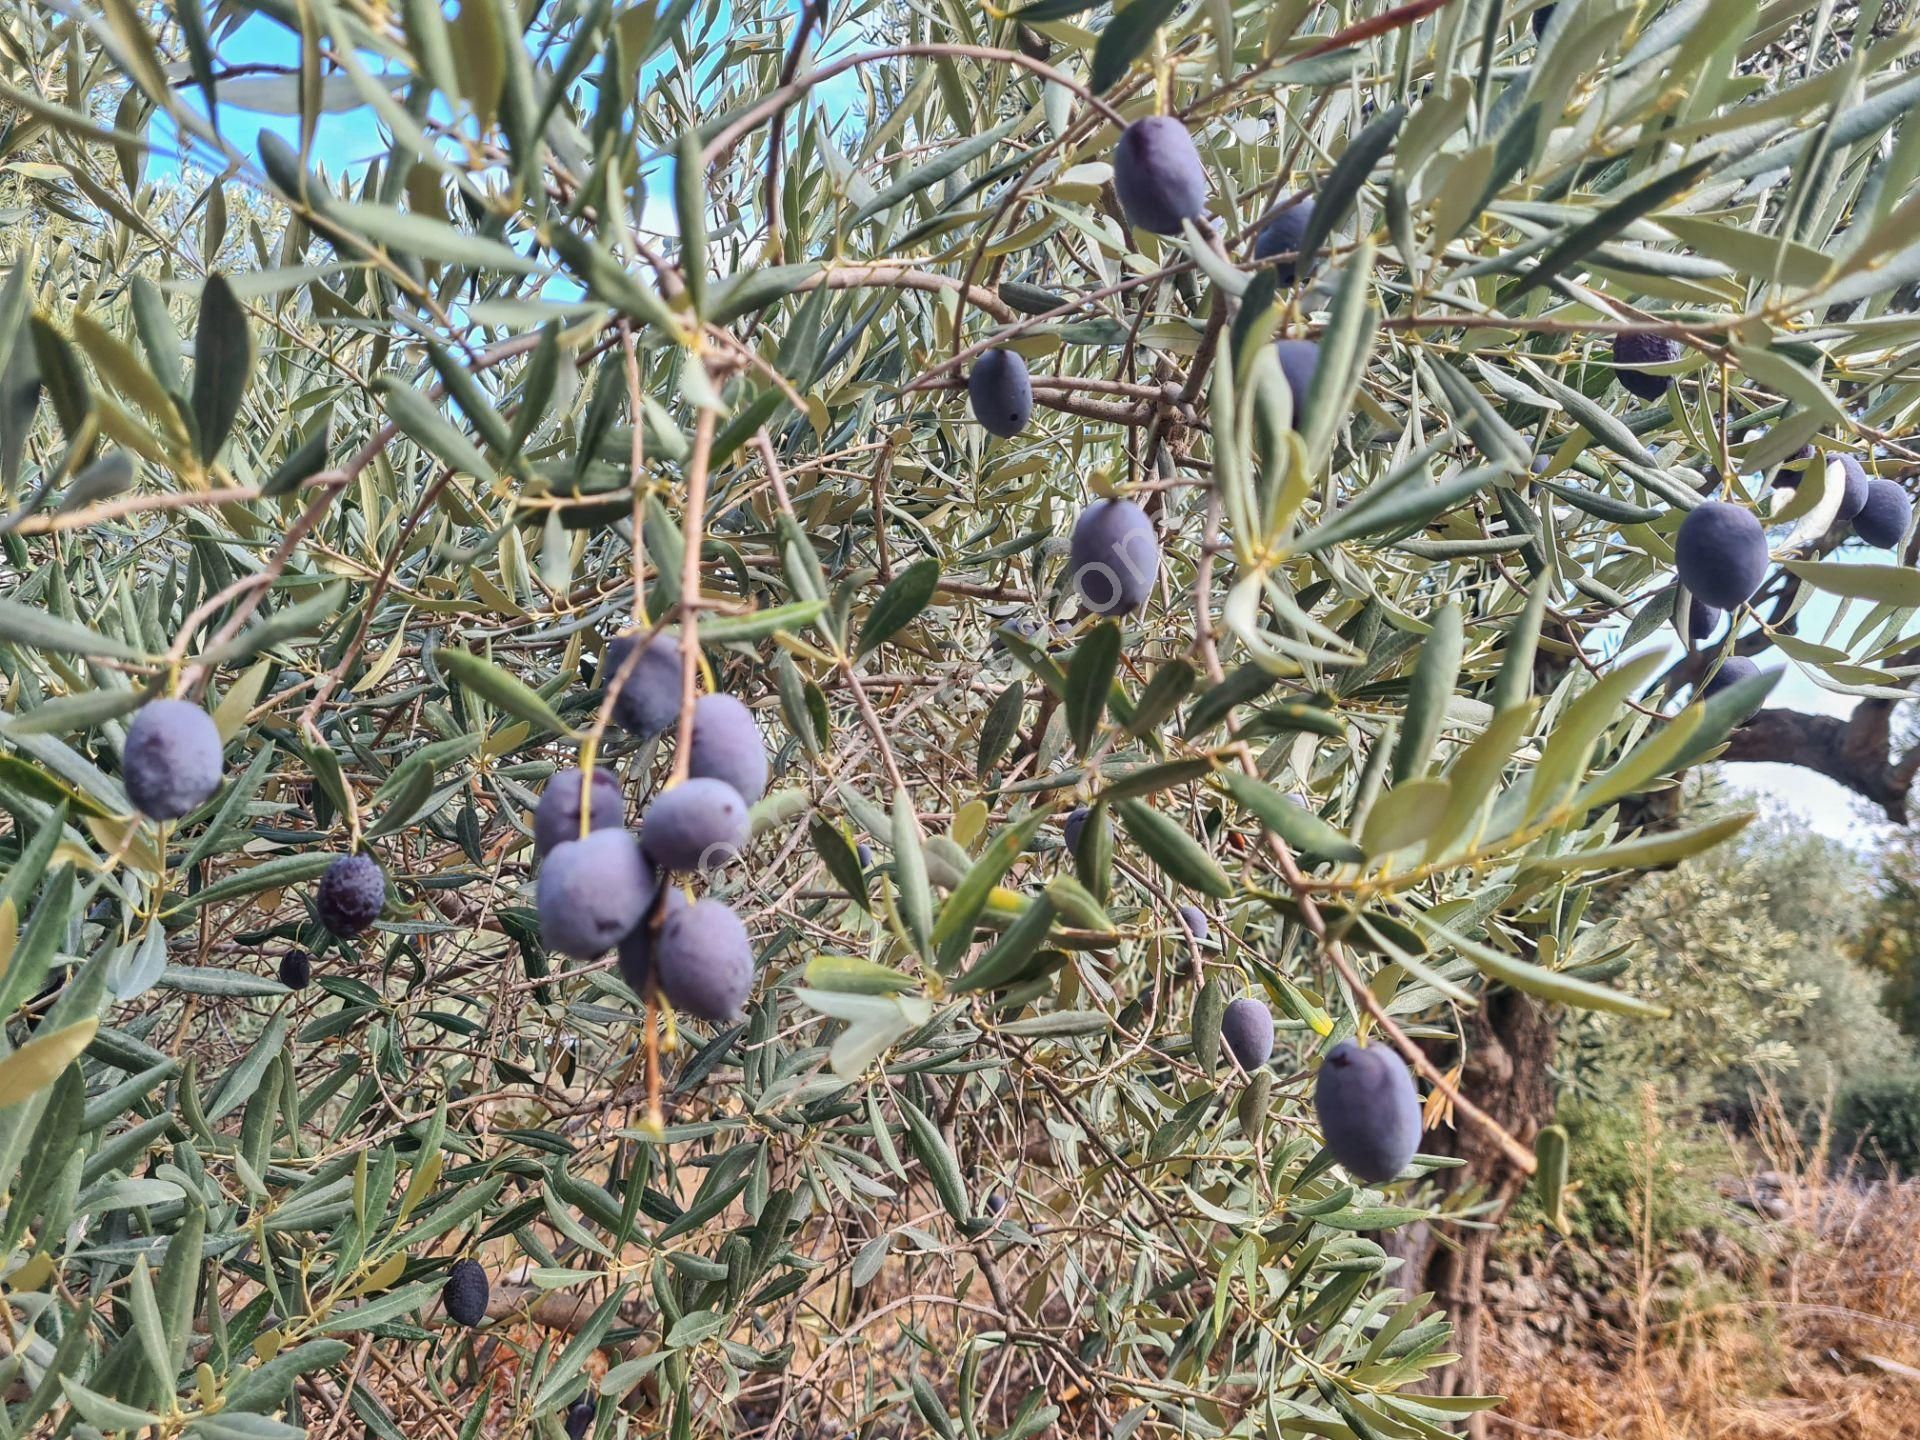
(812, 13)
(904, 277)
(1853, 750)
(780, 99)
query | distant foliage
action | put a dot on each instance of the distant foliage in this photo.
(1765, 936)
(1646, 1176)
(1878, 1119)
(543, 370)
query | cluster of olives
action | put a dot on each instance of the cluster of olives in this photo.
(1365, 1100)
(1114, 555)
(1368, 1108)
(172, 763)
(1720, 552)
(599, 886)
(1879, 511)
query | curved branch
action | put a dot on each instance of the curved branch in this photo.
(905, 277)
(780, 99)
(1853, 750)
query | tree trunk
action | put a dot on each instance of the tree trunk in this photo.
(1510, 1042)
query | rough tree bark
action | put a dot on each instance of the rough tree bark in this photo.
(1856, 750)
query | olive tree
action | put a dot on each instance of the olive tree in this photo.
(1188, 498)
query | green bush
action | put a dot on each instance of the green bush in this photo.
(1880, 1121)
(1762, 936)
(1633, 1173)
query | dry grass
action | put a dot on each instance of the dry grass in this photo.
(1816, 1338)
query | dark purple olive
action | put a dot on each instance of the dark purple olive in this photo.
(1071, 827)
(1630, 352)
(557, 817)
(1369, 1110)
(635, 951)
(1194, 921)
(352, 893)
(1282, 236)
(465, 1293)
(1299, 359)
(1000, 393)
(1721, 554)
(1884, 519)
(1114, 556)
(704, 961)
(1853, 498)
(649, 698)
(171, 761)
(1702, 620)
(591, 892)
(727, 746)
(1158, 176)
(1247, 1032)
(698, 825)
(1730, 671)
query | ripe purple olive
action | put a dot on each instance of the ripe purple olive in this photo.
(1073, 825)
(1853, 499)
(1114, 556)
(1721, 554)
(863, 852)
(172, 759)
(1000, 393)
(1369, 1110)
(1247, 1031)
(1158, 176)
(464, 1297)
(1630, 352)
(296, 969)
(1702, 620)
(1299, 359)
(556, 818)
(635, 952)
(1731, 671)
(727, 746)
(704, 961)
(649, 700)
(352, 893)
(1540, 19)
(579, 1419)
(1282, 236)
(591, 892)
(1793, 469)
(1194, 921)
(699, 824)
(1885, 517)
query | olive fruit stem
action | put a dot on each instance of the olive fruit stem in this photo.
(656, 1118)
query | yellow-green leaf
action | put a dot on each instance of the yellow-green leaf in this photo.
(38, 1063)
